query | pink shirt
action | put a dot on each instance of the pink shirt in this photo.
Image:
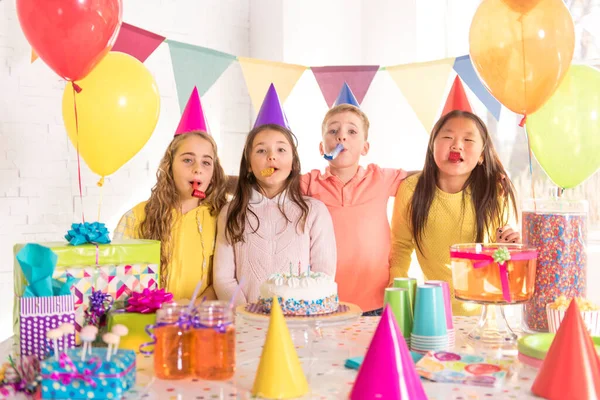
(362, 229)
(272, 248)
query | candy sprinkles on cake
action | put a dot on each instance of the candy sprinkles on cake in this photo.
(300, 293)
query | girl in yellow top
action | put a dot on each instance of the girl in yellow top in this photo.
(461, 196)
(185, 224)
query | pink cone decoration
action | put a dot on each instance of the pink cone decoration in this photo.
(192, 118)
(388, 371)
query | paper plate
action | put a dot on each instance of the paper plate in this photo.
(537, 345)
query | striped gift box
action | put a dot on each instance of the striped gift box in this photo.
(40, 314)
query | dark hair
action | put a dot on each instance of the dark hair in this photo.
(238, 212)
(488, 182)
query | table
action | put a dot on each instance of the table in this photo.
(322, 357)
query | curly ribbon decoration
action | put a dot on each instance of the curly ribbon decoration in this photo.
(185, 323)
(100, 304)
(148, 301)
(499, 257)
(87, 375)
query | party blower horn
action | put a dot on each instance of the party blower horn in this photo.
(388, 371)
(279, 374)
(571, 368)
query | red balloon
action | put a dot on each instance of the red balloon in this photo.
(71, 36)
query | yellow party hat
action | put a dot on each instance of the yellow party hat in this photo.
(279, 374)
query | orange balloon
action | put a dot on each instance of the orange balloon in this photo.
(522, 50)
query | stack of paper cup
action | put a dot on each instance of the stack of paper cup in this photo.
(429, 325)
(399, 301)
(447, 309)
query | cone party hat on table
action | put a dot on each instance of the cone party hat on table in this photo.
(192, 118)
(457, 98)
(346, 97)
(388, 371)
(571, 368)
(279, 374)
(271, 111)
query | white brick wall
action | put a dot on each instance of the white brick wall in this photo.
(39, 194)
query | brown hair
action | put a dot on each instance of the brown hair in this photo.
(158, 222)
(238, 213)
(346, 108)
(488, 182)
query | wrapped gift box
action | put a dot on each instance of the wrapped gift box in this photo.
(118, 268)
(136, 324)
(67, 377)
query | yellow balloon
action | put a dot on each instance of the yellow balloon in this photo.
(117, 111)
(522, 49)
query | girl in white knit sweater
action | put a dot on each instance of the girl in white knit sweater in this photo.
(269, 224)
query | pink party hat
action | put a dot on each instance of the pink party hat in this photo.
(388, 371)
(192, 118)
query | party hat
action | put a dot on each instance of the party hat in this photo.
(571, 367)
(279, 374)
(271, 111)
(457, 98)
(346, 97)
(192, 118)
(388, 371)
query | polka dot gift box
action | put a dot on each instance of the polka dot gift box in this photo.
(66, 376)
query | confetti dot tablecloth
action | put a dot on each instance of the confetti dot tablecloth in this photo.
(322, 355)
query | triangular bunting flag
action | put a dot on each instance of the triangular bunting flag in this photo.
(331, 79)
(571, 369)
(346, 96)
(457, 98)
(137, 42)
(192, 118)
(259, 74)
(464, 68)
(34, 56)
(388, 370)
(279, 374)
(196, 66)
(423, 86)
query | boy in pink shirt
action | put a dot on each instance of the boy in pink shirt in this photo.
(357, 200)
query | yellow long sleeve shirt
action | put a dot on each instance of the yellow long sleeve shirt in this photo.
(193, 242)
(450, 221)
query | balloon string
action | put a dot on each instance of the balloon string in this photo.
(77, 89)
(101, 184)
(531, 171)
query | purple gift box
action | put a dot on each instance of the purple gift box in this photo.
(40, 314)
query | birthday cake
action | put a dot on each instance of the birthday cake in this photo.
(66, 376)
(310, 293)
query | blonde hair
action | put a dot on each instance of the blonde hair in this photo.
(158, 222)
(347, 108)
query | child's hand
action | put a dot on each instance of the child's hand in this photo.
(507, 235)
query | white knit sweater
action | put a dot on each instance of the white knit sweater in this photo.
(275, 245)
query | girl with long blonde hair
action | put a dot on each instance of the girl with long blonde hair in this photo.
(181, 213)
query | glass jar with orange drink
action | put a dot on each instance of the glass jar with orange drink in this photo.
(173, 342)
(213, 332)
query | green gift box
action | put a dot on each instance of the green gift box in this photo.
(136, 324)
(119, 269)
